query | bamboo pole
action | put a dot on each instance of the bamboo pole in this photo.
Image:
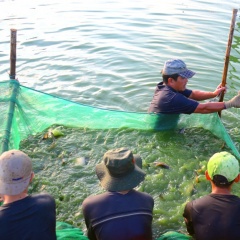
(227, 55)
(14, 89)
(13, 54)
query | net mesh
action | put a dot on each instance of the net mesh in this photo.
(65, 231)
(25, 112)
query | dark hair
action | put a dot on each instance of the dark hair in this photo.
(221, 182)
(166, 77)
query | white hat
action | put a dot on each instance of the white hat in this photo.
(15, 172)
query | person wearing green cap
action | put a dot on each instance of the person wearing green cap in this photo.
(216, 216)
(120, 213)
(172, 96)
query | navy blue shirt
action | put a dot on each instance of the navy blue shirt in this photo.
(31, 218)
(112, 215)
(214, 216)
(169, 101)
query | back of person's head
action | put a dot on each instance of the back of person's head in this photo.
(175, 67)
(120, 170)
(223, 168)
(15, 172)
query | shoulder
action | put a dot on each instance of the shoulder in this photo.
(42, 198)
(197, 201)
(186, 93)
(142, 198)
(142, 194)
(93, 199)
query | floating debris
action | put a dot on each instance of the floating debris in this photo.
(53, 133)
(162, 165)
(182, 130)
(57, 132)
(200, 178)
(63, 162)
(81, 161)
(47, 135)
(161, 196)
(200, 170)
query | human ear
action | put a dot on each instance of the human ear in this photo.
(237, 179)
(32, 176)
(207, 176)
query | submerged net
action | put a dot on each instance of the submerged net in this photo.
(25, 112)
(64, 167)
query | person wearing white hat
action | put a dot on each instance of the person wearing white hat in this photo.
(23, 216)
(217, 215)
(121, 213)
(172, 97)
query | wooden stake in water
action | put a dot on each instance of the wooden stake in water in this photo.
(14, 91)
(227, 55)
(13, 54)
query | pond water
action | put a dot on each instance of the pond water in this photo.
(109, 54)
(65, 167)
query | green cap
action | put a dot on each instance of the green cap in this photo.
(225, 164)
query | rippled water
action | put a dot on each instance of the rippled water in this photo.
(109, 54)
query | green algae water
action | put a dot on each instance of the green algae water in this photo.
(65, 168)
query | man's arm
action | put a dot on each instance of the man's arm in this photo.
(188, 218)
(211, 107)
(202, 95)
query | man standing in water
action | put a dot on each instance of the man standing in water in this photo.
(217, 215)
(23, 216)
(121, 213)
(172, 97)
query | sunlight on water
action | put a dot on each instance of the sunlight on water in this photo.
(109, 54)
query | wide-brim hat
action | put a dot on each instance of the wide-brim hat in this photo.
(120, 170)
(177, 66)
(15, 172)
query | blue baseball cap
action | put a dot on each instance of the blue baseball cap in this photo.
(177, 66)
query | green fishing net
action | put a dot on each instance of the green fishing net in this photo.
(171, 235)
(25, 112)
(66, 231)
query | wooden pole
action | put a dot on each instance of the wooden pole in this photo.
(14, 92)
(227, 55)
(13, 54)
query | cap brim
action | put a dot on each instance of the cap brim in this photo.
(187, 74)
(127, 182)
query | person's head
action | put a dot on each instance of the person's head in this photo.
(120, 170)
(223, 169)
(176, 74)
(15, 172)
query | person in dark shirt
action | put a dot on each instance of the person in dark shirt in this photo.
(172, 97)
(216, 216)
(121, 213)
(23, 216)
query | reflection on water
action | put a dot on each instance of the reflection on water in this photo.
(109, 53)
